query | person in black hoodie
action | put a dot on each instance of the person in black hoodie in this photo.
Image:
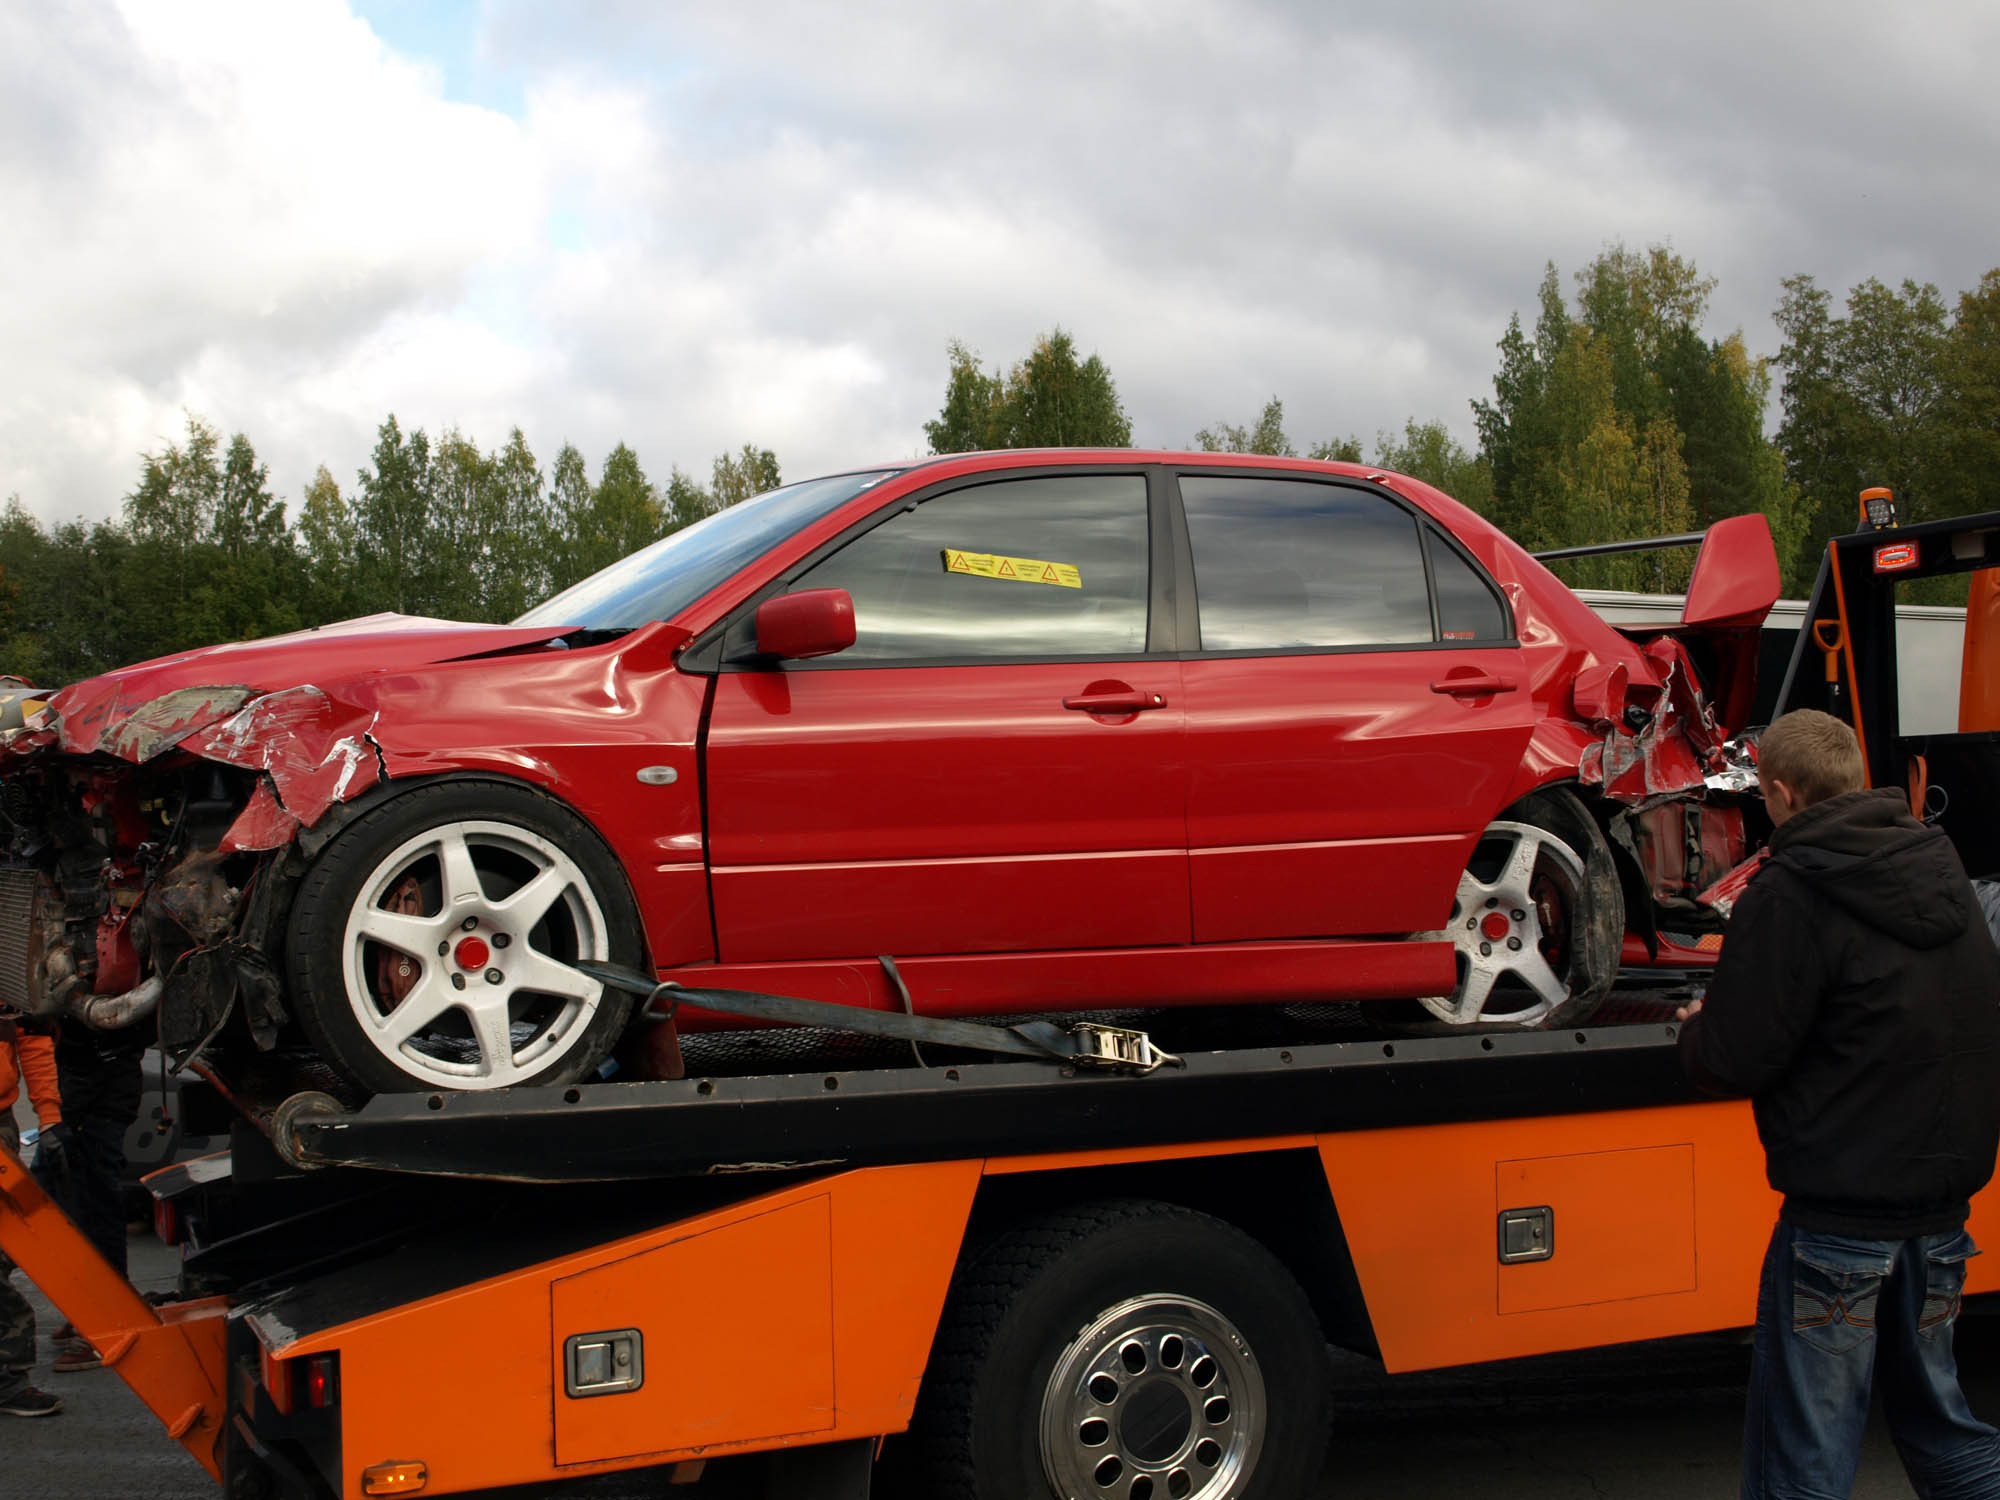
(1857, 1003)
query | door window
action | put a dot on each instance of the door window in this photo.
(1285, 563)
(1042, 567)
(1468, 607)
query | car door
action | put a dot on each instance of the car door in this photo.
(1356, 708)
(995, 765)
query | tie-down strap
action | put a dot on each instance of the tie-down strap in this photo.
(1082, 1043)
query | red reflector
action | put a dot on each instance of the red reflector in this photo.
(322, 1381)
(1895, 557)
(166, 1221)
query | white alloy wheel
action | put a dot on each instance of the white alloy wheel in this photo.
(1516, 925)
(455, 955)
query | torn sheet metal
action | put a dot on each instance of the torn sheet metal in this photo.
(1726, 892)
(149, 728)
(316, 751)
(1635, 767)
(263, 824)
(1676, 749)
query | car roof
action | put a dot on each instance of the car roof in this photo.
(1048, 457)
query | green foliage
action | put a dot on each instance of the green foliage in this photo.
(1620, 419)
(203, 551)
(1048, 400)
(1971, 407)
(733, 477)
(1345, 450)
(595, 525)
(1268, 436)
(738, 476)
(1886, 395)
(969, 419)
(1429, 452)
(329, 541)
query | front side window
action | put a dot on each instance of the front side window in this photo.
(1053, 566)
(1287, 563)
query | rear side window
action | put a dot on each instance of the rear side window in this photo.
(1468, 608)
(1289, 563)
(1054, 566)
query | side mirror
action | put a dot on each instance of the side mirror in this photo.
(812, 622)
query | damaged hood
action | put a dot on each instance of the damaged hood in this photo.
(116, 712)
(290, 706)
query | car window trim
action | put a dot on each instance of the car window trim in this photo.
(1425, 521)
(713, 652)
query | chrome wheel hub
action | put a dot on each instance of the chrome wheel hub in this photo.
(1158, 1399)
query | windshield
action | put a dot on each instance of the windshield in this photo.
(658, 582)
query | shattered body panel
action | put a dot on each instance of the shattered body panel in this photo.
(392, 698)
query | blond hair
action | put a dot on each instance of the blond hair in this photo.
(1814, 754)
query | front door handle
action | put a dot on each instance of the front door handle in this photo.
(1474, 685)
(1126, 702)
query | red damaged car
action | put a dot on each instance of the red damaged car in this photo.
(1046, 730)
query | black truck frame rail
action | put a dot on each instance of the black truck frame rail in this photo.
(824, 1120)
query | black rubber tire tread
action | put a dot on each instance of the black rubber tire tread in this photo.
(1561, 811)
(1008, 1299)
(320, 909)
(1558, 810)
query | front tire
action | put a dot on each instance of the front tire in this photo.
(429, 944)
(1133, 1349)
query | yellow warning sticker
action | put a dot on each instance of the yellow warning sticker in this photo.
(1014, 569)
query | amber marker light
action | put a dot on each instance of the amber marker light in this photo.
(404, 1478)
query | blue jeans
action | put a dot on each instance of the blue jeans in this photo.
(1834, 1315)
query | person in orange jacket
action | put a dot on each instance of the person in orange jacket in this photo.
(23, 1056)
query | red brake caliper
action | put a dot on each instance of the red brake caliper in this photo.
(1549, 909)
(397, 973)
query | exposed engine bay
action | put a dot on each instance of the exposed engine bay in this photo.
(116, 892)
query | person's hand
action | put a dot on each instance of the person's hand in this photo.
(1689, 1011)
(55, 1156)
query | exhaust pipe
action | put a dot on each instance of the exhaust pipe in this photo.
(112, 1012)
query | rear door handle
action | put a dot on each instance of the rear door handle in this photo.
(1475, 685)
(1115, 703)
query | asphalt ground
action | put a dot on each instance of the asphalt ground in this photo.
(1638, 1422)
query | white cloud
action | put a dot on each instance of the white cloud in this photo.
(705, 225)
(218, 204)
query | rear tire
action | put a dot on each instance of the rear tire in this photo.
(1129, 1348)
(428, 944)
(1538, 923)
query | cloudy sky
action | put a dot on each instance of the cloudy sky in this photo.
(694, 226)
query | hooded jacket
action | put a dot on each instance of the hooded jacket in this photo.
(1857, 1002)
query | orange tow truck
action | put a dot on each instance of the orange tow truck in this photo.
(840, 1264)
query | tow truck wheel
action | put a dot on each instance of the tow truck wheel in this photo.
(1538, 920)
(429, 943)
(1129, 1349)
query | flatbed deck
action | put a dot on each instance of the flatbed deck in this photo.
(848, 1115)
